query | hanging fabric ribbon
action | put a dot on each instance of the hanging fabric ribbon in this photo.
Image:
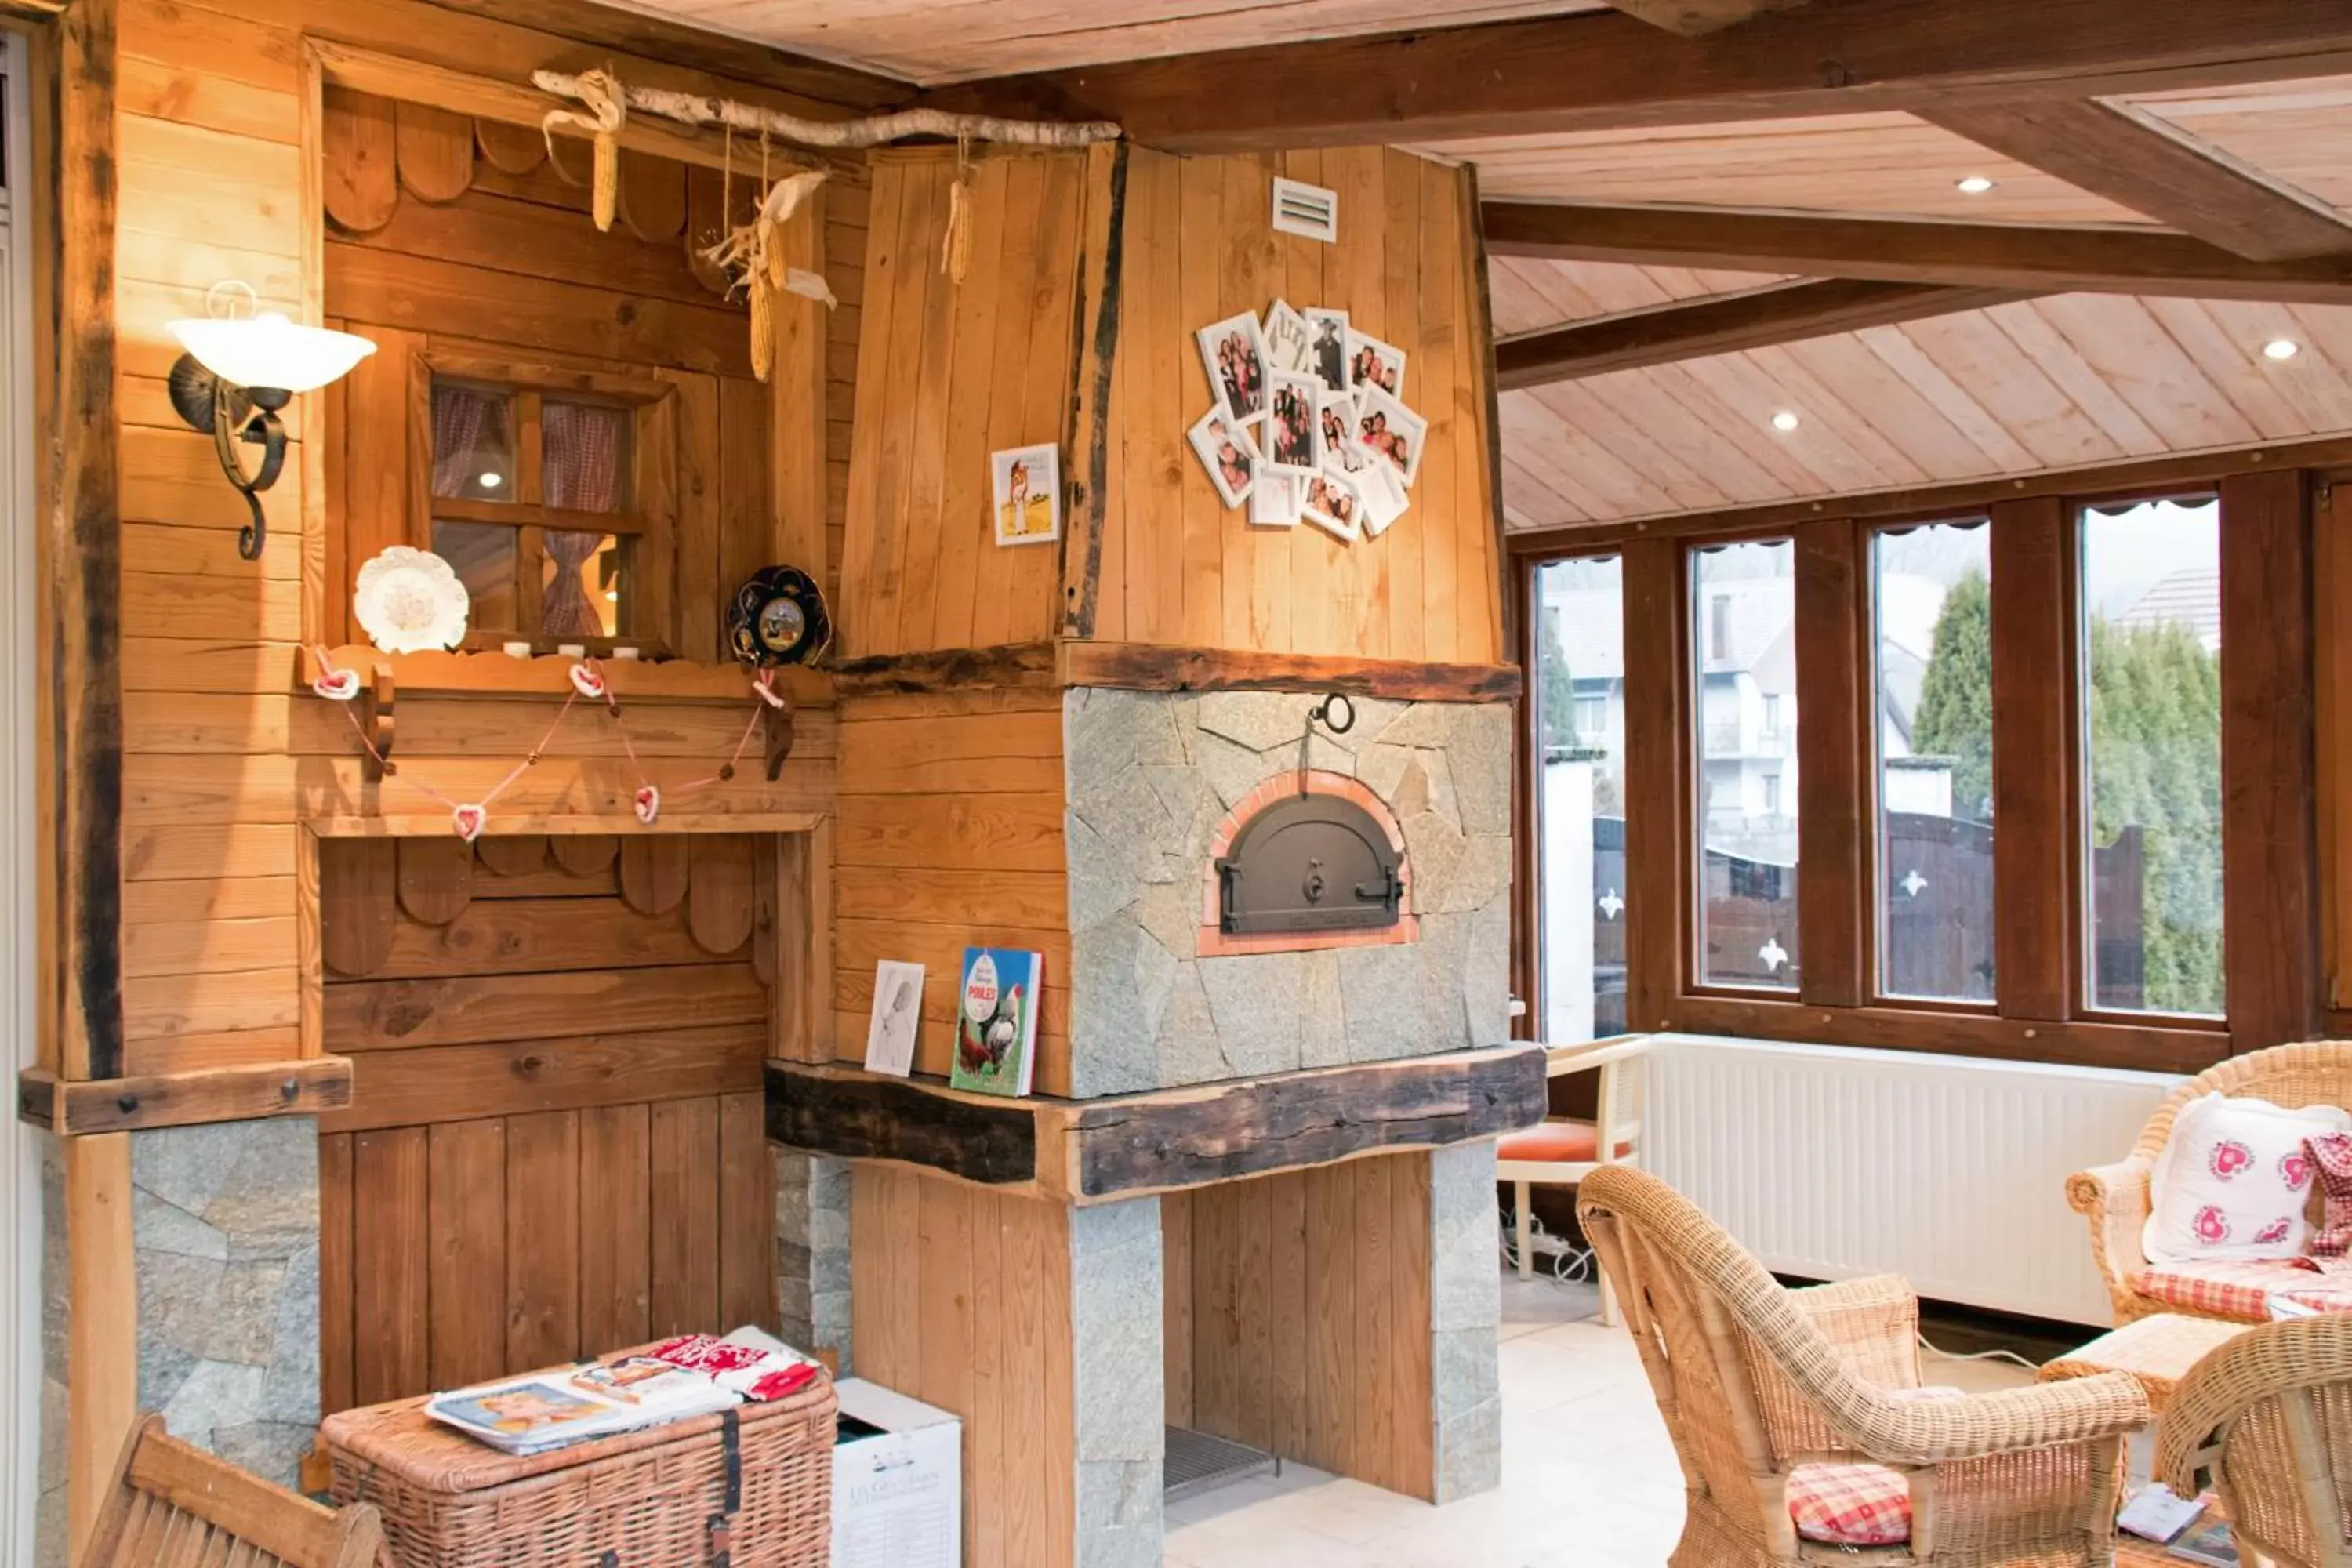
(601, 93)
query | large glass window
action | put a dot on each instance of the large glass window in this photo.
(2151, 652)
(1931, 719)
(1580, 824)
(1744, 672)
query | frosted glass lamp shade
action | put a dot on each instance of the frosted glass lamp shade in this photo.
(268, 351)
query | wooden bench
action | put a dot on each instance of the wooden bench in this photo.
(174, 1506)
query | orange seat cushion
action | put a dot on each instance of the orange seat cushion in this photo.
(1559, 1141)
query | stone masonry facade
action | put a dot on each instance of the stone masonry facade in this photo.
(1150, 775)
(813, 1252)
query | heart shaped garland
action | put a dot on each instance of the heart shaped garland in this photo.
(337, 685)
(648, 804)
(470, 820)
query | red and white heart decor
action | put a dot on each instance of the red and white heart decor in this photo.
(648, 804)
(589, 681)
(470, 820)
(337, 685)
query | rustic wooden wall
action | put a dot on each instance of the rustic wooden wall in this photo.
(556, 1140)
(1298, 1317)
(947, 835)
(224, 758)
(1177, 566)
(960, 1297)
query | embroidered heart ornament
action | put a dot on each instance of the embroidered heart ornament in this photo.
(470, 821)
(2230, 1158)
(648, 805)
(587, 681)
(338, 685)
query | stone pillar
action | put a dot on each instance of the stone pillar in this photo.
(51, 1525)
(225, 1232)
(1118, 1397)
(1465, 1310)
(812, 1253)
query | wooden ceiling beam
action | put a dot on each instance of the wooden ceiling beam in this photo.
(1896, 250)
(1697, 19)
(1725, 323)
(1604, 70)
(2132, 158)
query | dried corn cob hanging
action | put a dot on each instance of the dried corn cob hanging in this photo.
(607, 103)
(955, 254)
(753, 254)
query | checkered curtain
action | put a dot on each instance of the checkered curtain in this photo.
(460, 415)
(580, 471)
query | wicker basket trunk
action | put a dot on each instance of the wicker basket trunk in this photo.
(749, 1488)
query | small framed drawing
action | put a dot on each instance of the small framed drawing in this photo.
(1027, 484)
(1228, 453)
(1234, 353)
(1332, 504)
(1392, 432)
(1371, 363)
(1293, 441)
(1274, 501)
(898, 1017)
(1287, 345)
(1327, 347)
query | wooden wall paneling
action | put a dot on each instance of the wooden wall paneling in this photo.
(1381, 1337)
(584, 854)
(1037, 1305)
(436, 152)
(1429, 613)
(510, 149)
(698, 516)
(653, 872)
(1253, 1308)
(718, 890)
(993, 1388)
(1359, 275)
(2331, 581)
(1176, 1329)
(948, 1330)
(1479, 522)
(746, 495)
(102, 1330)
(1162, 392)
(765, 938)
(747, 1213)
(543, 1213)
(308, 941)
(1247, 251)
(1093, 493)
(1021, 352)
(511, 854)
(1309, 548)
(1405, 263)
(1656, 706)
(384, 1014)
(616, 1251)
(359, 910)
(446, 1083)
(1289, 1327)
(1199, 248)
(684, 1153)
(361, 185)
(1836, 806)
(1035, 600)
(798, 405)
(920, 216)
(1334, 1354)
(2036, 937)
(2269, 852)
(1412, 1457)
(466, 1222)
(862, 505)
(651, 199)
(912, 571)
(814, 994)
(335, 1261)
(390, 1265)
(941, 614)
(436, 877)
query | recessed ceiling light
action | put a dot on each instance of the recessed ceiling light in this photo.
(1784, 420)
(2282, 348)
(1974, 184)
(492, 482)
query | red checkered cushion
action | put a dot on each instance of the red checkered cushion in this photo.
(2242, 1291)
(1856, 1505)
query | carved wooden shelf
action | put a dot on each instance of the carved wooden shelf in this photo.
(79, 1108)
(435, 674)
(1095, 1150)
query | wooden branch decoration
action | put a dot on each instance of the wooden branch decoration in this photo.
(833, 135)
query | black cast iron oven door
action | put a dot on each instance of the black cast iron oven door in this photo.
(1308, 864)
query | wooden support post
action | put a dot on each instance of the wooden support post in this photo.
(1655, 854)
(101, 1324)
(2034, 753)
(1835, 804)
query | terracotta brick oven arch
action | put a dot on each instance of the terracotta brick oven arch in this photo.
(1216, 942)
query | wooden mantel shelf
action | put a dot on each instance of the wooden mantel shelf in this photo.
(76, 1108)
(437, 674)
(1095, 1150)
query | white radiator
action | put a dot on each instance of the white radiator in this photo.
(1830, 1163)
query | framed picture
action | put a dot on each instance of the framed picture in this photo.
(1287, 346)
(1027, 484)
(1327, 347)
(897, 1019)
(1342, 448)
(1234, 353)
(1228, 452)
(1393, 433)
(1332, 504)
(1274, 501)
(1381, 493)
(1294, 440)
(1373, 363)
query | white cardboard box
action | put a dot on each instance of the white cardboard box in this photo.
(898, 1491)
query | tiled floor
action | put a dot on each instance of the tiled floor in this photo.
(1588, 1477)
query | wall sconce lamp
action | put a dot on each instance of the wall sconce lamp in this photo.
(237, 372)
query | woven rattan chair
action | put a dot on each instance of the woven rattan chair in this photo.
(1755, 1380)
(2115, 1198)
(2266, 1422)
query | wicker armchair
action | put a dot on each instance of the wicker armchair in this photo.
(1756, 1381)
(2266, 1422)
(2115, 1198)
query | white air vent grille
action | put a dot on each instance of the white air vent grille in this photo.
(1310, 211)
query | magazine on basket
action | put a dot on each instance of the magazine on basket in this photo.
(690, 1375)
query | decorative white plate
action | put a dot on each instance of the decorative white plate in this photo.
(408, 599)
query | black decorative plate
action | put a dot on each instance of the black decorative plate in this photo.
(778, 618)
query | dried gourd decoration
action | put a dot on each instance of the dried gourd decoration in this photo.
(608, 111)
(955, 252)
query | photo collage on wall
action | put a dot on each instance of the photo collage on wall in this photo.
(1309, 423)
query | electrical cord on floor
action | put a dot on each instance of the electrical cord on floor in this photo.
(2009, 1356)
(1569, 1265)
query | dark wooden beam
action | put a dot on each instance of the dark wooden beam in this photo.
(2135, 160)
(1697, 19)
(865, 1116)
(1600, 69)
(1149, 666)
(1725, 323)
(1004, 666)
(1896, 250)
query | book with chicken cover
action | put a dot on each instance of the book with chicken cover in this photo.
(996, 1021)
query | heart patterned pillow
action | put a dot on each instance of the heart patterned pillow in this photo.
(2234, 1180)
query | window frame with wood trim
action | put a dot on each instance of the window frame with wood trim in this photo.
(2270, 823)
(647, 524)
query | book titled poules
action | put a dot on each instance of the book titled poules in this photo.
(996, 1021)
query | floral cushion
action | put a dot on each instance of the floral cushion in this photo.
(2242, 1290)
(1856, 1505)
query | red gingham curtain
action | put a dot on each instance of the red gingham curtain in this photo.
(580, 465)
(460, 415)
